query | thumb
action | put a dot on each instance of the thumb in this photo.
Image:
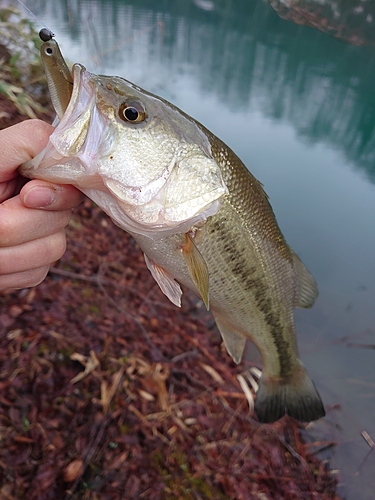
(20, 143)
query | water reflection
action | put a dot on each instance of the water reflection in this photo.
(298, 108)
(243, 53)
(348, 20)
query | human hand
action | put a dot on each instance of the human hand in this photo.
(32, 220)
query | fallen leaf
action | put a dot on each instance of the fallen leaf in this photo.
(73, 470)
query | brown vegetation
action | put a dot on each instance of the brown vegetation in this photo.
(108, 391)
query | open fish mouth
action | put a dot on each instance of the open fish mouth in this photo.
(77, 133)
(74, 144)
(77, 113)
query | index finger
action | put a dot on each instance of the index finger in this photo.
(20, 143)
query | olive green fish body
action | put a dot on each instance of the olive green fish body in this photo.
(252, 289)
(200, 217)
(255, 281)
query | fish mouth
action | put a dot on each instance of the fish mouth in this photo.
(72, 144)
(77, 73)
(71, 132)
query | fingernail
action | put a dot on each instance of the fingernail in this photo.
(39, 197)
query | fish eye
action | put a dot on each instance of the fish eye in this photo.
(132, 112)
(48, 51)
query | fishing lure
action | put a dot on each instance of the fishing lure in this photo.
(59, 78)
(46, 35)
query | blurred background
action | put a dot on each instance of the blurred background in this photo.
(289, 86)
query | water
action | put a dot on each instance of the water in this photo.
(298, 107)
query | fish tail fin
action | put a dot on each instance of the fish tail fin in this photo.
(295, 396)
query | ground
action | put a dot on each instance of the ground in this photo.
(109, 391)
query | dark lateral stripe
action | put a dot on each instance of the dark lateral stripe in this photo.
(239, 266)
(259, 291)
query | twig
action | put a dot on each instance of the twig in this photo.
(184, 355)
(294, 453)
(368, 439)
(144, 420)
(91, 279)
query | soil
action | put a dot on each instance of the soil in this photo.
(108, 391)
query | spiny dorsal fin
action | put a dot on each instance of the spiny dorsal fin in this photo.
(197, 268)
(234, 342)
(167, 284)
(307, 289)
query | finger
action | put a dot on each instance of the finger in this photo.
(20, 143)
(7, 189)
(19, 224)
(33, 254)
(25, 279)
(41, 194)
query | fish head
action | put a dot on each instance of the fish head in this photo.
(143, 161)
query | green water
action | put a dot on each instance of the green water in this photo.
(298, 106)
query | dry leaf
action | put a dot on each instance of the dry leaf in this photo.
(119, 460)
(73, 470)
(6, 492)
(146, 395)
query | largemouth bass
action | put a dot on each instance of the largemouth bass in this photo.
(200, 217)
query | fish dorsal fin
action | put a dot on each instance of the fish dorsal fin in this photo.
(234, 342)
(167, 284)
(197, 268)
(307, 289)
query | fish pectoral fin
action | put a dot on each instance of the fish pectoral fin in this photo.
(167, 284)
(307, 289)
(234, 342)
(197, 268)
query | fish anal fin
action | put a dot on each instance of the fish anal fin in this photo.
(166, 282)
(307, 289)
(197, 268)
(234, 342)
(296, 396)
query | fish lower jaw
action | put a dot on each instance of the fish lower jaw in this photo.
(151, 219)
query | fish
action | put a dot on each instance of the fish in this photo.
(200, 217)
